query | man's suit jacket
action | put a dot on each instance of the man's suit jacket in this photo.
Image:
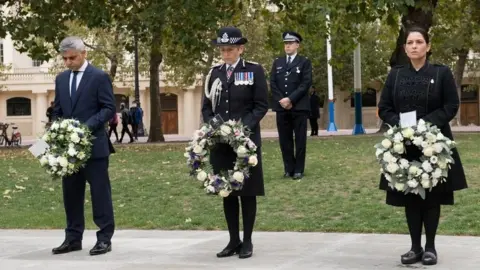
(292, 81)
(92, 104)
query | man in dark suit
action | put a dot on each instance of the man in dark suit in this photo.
(237, 90)
(85, 93)
(290, 80)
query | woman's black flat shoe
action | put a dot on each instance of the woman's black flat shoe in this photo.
(227, 252)
(429, 258)
(411, 257)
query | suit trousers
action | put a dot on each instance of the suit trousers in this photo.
(96, 173)
(288, 124)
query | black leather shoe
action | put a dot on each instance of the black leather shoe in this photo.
(67, 246)
(411, 257)
(101, 248)
(228, 251)
(429, 258)
(287, 175)
(246, 251)
(297, 176)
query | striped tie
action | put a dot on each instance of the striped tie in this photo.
(229, 72)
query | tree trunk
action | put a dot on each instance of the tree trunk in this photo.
(458, 75)
(156, 133)
(204, 75)
(416, 16)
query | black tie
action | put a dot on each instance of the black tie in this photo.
(289, 59)
(74, 84)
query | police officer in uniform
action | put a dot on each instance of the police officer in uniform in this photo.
(237, 90)
(290, 80)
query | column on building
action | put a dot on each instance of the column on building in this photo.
(189, 113)
(41, 106)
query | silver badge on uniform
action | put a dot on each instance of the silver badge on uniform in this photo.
(298, 70)
(244, 78)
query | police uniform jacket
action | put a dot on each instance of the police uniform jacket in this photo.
(432, 93)
(246, 102)
(292, 81)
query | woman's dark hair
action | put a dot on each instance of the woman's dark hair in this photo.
(423, 32)
(416, 29)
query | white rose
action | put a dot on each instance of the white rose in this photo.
(54, 126)
(211, 189)
(70, 128)
(388, 177)
(418, 141)
(46, 137)
(398, 147)
(428, 151)
(387, 157)
(238, 176)
(186, 154)
(43, 160)
(72, 152)
(425, 144)
(430, 137)
(202, 142)
(404, 163)
(392, 167)
(224, 193)
(437, 173)
(412, 183)
(398, 137)
(449, 142)
(197, 149)
(425, 176)
(421, 122)
(438, 148)
(252, 160)
(241, 151)
(413, 170)
(421, 129)
(63, 162)
(201, 176)
(81, 155)
(52, 161)
(71, 166)
(74, 138)
(399, 186)
(433, 159)
(225, 130)
(378, 152)
(408, 133)
(440, 137)
(390, 132)
(434, 182)
(426, 183)
(386, 143)
(64, 124)
(426, 166)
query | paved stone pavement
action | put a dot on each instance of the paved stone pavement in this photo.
(156, 250)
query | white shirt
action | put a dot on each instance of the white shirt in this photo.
(234, 65)
(291, 57)
(79, 76)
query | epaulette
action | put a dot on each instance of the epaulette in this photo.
(251, 62)
(217, 65)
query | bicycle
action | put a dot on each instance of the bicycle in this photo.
(16, 137)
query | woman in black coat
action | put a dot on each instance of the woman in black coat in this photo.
(237, 101)
(430, 90)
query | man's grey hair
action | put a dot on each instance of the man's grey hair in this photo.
(72, 43)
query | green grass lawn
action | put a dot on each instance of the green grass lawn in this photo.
(152, 190)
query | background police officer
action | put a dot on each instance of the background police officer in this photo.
(237, 90)
(290, 81)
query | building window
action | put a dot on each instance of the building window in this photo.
(369, 98)
(37, 63)
(19, 106)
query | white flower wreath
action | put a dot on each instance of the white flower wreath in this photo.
(198, 151)
(415, 176)
(70, 146)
